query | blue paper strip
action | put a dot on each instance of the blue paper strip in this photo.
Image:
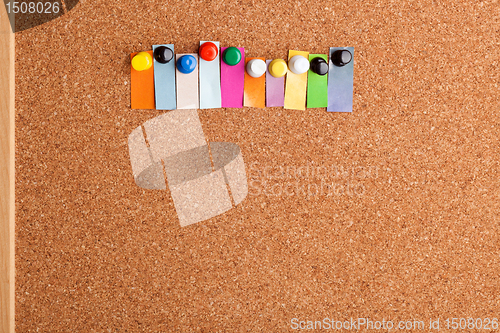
(210, 93)
(340, 84)
(165, 82)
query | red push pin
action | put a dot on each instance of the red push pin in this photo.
(208, 51)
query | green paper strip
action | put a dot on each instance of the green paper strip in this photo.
(317, 86)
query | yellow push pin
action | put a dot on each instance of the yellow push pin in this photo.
(142, 61)
(278, 68)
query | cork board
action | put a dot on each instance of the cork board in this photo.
(391, 212)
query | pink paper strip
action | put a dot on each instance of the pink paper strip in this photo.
(275, 89)
(232, 81)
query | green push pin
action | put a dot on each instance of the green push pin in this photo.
(231, 56)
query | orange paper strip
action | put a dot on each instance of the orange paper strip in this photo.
(142, 87)
(255, 89)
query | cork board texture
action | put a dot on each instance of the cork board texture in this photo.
(389, 212)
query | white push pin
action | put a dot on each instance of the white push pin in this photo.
(298, 64)
(256, 67)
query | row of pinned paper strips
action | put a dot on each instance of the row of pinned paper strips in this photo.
(223, 78)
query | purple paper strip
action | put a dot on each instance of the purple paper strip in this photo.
(232, 81)
(275, 89)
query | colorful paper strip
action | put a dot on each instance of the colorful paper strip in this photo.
(317, 86)
(165, 82)
(232, 82)
(255, 89)
(275, 89)
(187, 86)
(296, 86)
(142, 87)
(210, 89)
(340, 84)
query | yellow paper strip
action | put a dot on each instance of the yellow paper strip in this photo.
(296, 85)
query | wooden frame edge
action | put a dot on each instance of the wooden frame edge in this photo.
(7, 169)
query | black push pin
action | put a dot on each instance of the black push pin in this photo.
(341, 58)
(163, 54)
(319, 66)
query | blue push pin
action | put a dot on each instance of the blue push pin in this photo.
(186, 64)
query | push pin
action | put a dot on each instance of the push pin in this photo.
(231, 56)
(256, 67)
(299, 64)
(341, 57)
(208, 51)
(163, 54)
(278, 68)
(319, 66)
(186, 64)
(142, 61)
